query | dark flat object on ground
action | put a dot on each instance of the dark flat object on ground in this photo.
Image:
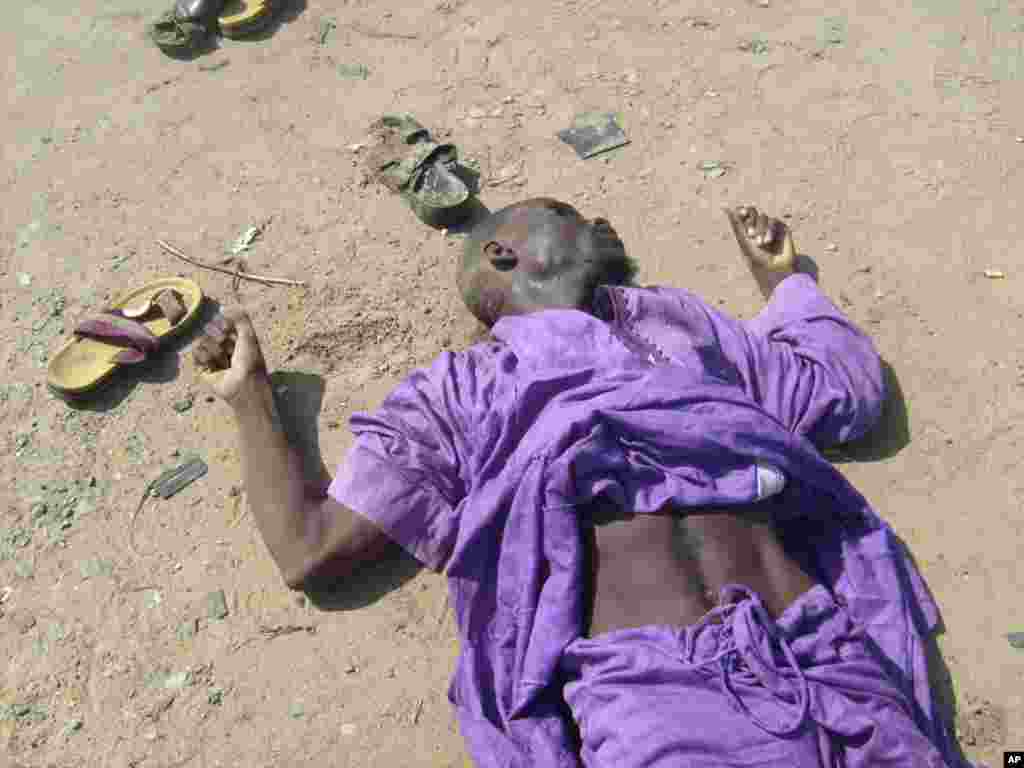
(173, 480)
(592, 133)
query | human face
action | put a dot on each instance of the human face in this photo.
(538, 254)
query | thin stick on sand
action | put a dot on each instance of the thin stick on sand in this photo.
(238, 274)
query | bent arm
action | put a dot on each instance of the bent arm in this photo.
(310, 536)
(809, 365)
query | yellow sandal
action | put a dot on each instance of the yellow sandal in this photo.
(245, 17)
(128, 332)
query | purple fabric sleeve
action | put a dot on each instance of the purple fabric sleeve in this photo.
(481, 464)
(407, 470)
(807, 364)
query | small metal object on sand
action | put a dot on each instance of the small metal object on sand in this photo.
(165, 486)
(173, 480)
(592, 133)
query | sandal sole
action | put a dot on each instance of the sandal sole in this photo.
(82, 364)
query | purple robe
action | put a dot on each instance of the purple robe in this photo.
(482, 465)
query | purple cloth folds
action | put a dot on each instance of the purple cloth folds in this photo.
(482, 465)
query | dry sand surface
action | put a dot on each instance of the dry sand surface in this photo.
(887, 133)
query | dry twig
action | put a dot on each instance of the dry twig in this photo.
(378, 35)
(238, 274)
(277, 630)
(269, 632)
(146, 495)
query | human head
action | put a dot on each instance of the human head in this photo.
(539, 254)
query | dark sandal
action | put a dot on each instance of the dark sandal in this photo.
(405, 159)
(175, 35)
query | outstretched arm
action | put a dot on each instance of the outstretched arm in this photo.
(310, 536)
(801, 358)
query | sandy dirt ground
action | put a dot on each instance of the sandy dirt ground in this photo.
(891, 135)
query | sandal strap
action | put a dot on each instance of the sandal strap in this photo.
(198, 9)
(136, 339)
(405, 125)
(169, 32)
(400, 174)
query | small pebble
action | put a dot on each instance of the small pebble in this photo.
(24, 623)
(178, 680)
(1020, 139)
(188, 629)
(217, 605)
(183, 405)
(832, 247)
(214, 66)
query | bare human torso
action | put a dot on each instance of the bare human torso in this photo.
(668, 568)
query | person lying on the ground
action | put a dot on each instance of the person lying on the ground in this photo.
(650, 562)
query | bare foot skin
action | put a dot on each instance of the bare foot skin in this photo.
(766, 244)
